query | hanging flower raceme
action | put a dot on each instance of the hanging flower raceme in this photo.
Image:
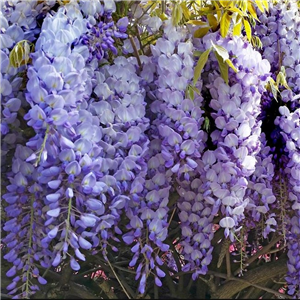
(261, 194)
(178, 140)
(119, 107)
(83, 156)
(12, 99)
(102, 31)
(289, 123)
(235, 133)
(54, 93)
(279, 33)
(25, 215)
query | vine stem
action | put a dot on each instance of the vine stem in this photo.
(29, 247)
(43, 145)
(216, 274)
(120, 282)
(228, 263)
(136, 53)
(163, 6)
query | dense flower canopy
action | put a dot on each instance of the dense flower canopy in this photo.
(157, 137)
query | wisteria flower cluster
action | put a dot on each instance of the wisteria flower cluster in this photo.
(279, 32)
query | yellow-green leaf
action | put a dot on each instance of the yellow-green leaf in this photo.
(190, 93)
(205, 10)
(19, 55)
(197, 53)
(265, 4)
(163, 16)
(195, 89)
(221, 51)
(219, 15)
(185, 10)
(243, 5)
(247, 29)
(197, 23)
(230, 64)
(176, 14)
(260, 5)
(200, 64)
(225, 24)
(63, 2)
(149, 5)
(252, 10)
(238, 11)
(201, 32)
(212, 22)
(224, 3)
(237, 28)
(274, 88)
(206, 124)
(223, 67)
(256, 42)
(280, 79)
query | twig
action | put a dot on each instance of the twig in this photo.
(250, 283)
(228, 263)
(107, 290)
(169, 280)
(66, 276)
(249, 293)
(117, 277)
(259, 253)
(251, 278)
(5, 296)
(163, 6)
(136, 53)
(210, 283)
(139, 37)
(156, 292)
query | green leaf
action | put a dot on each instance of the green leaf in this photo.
(201, 32)
(274, 88)
(221, 51)
(212, 20)
(197, 53)
(19, 55)
(225, 24)
(256, 42)
(252, 11)
(280, 79)
(224, 3)
(176, 14)
(185, 10)
(223, 67)
(195, 89)
(265, 4)
(230, 64)
(243, 5)
(260, 5)
(190, 92)
(247, 29)
(237, 27)
(200, 64)
(206, 124)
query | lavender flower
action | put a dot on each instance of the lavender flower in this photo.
(177, 141)
(234, 110)
(279, 30)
